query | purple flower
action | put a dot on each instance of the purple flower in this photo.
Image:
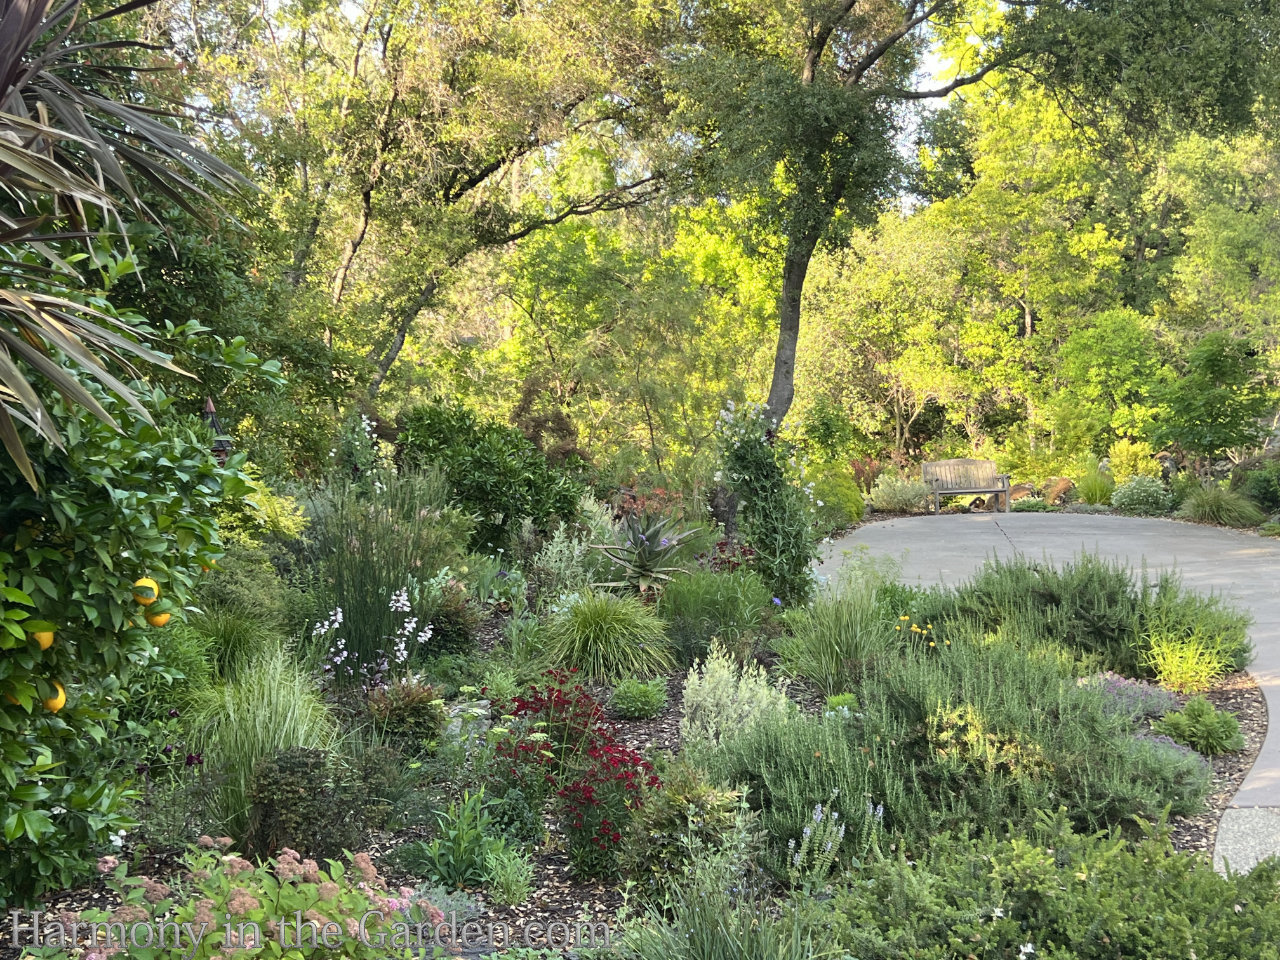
(777, 602)
(194, 758)
(665, 541)
(168, 749)
(173, 714)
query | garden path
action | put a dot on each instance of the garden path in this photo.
(1242, 567)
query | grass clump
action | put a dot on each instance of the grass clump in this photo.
(1095, 485)
(705, 605)
(1213, 502)
(270, 706)
(835, 639)
(1188, 664)
(608, 637)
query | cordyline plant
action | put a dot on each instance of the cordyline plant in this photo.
(74, 141)
(646, 554)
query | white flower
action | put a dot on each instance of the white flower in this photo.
(997, 913)
(1026, 950)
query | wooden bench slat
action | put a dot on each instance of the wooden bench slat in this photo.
(962, 476)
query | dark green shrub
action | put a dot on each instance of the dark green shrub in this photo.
(1262, 485)
(301, 798)
(704, 605)
(1219, 400)
(639, 699)
(1068, 895)
(1213, 502)
(1142, 496)
(453, 613)
(249, 579)
(775, 515)
(608, 637)
(408, 712)
(496, 474)
(1201, 727)
(1030, 505)
(1089, 605)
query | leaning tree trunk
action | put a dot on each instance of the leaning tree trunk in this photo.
(795, 269)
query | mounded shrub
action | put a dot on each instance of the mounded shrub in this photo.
(1142, 496)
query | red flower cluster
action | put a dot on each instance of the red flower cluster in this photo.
(727, 556)
(596, 778)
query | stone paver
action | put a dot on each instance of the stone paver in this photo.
(1243, 567)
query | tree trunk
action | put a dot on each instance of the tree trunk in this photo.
(352, 246)
(405, 321)
(795, 268)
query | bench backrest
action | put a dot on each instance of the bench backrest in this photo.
(961, 474)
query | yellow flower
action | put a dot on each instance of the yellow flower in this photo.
(932, 644)
(897, 628)
(904, 617)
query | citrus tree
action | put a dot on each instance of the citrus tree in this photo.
(92, 566)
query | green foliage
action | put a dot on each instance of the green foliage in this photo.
(722, 696)
(509, 874)
(1127, 459)
(837, 500)
(774, 512)
(639, 699)
(247, 580)
(494, 471)
(718, 908)
(1262, 486)
(835, 640)
(408, 712)
(1095, 485)
(1214, 502)
(1219, 400)
(704, 605)
(1189, 664)
(460, 853)
(1141, 496)
(1030, 505)
(270, 706)
(978, 732)
(685, 813)
(1091, 897)
(608, 637)
(1201, 727)
(895, 493)
(112, 507)
(368, 546)
(302, 799)
(647, 553)
(235, 634)
(445, 602)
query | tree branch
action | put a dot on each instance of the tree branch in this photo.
(942, 91)
(887, 42)
(819, 42)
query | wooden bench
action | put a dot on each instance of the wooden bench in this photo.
(949, 478)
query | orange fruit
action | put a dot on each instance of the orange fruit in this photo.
(44, 638)
(148, 584)
(54, 704)
(158, 619)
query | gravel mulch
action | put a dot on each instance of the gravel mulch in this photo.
(1240, 694)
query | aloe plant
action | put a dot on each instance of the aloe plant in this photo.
(647, 553)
